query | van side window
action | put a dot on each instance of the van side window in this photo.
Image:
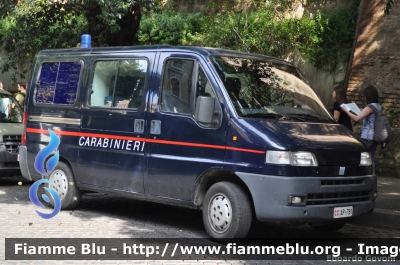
(203, 87)
(177, 86)
(118, 83)
(58, 83)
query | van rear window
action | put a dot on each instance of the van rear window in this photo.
(58, 83)
(118, 83)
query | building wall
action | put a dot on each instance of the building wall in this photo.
(321, 81)
(376, 61)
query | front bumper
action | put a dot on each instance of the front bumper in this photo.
(7, 169)
(8, 163)
(322, 194)
(23, 162)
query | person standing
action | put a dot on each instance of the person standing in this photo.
(1, 86)
(339, 94)
(20, 96)
(368, 116)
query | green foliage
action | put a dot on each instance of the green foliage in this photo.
(384, 154)
(37, 25)
(257, 31)
(388, 6)
(114, 10)
(394, 115)
(340, 83)
(170, 28)
(331, 38)
(28, 26)
(5, 25)
(322, 39)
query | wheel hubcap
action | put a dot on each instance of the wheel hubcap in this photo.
(59, 183)
(220, 213)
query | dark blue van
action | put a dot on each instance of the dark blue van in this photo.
(232, 133)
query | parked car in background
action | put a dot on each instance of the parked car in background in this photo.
(10, 134)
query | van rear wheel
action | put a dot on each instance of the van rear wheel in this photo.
(63, 182)
(227, 212)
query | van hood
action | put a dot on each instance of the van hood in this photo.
(332, 144)
(10, 128)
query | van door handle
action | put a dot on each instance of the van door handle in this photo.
(138, 126)
(155, 127)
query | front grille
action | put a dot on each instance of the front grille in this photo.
(12, 143)
(338, 197)
(341, 182)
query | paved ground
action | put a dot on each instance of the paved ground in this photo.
(389, 194)
(387, 205)
(105, 216)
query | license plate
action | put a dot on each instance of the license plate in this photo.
(340, 212)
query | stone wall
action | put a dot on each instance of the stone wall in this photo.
(387, 159)
(376, 61)
(321, 81)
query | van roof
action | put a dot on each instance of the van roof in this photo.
(205, 51)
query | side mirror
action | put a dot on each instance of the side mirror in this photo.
(204, 110)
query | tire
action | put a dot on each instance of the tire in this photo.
(327, 227)
(63, 182)
(227, 212)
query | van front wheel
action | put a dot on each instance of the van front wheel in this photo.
(227, 212)
(62, 181)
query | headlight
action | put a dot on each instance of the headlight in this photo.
(291, 158)
(365, 159)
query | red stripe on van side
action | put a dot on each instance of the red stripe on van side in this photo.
(184, 143)
(204, 145)
(80, 134)
(244, 150)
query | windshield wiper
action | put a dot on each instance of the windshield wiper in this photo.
(304, 116)
(273, 116)
(263, 115)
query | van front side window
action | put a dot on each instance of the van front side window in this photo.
(203, 86)
(177, 85)
(118, 83)
(58, 83)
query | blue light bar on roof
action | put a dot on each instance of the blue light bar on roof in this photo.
(86, 41)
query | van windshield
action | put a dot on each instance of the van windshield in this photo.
(7, 113)
(270, 90)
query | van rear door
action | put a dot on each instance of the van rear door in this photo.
(180, 149)
(112, 144)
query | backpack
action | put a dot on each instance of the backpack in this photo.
(382, 130)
